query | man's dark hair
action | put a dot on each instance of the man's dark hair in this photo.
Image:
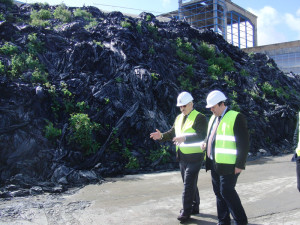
(220, 103)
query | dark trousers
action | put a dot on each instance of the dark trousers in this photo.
(190, 195)
(298, 171)
(228, 201)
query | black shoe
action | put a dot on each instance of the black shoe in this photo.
(182, 218)
(222, 223)
(195, 211)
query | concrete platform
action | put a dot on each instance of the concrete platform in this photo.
(267, 189)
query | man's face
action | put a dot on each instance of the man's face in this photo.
(186, 109)
(217, 110)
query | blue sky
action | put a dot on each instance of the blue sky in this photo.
(278, 20)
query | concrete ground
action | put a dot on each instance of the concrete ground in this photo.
(267, 189)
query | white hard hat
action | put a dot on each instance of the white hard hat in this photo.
(214, 98)
(184, 98)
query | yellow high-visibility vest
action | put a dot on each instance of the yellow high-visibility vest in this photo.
(186, 130)
(298, 147)
(225, 145)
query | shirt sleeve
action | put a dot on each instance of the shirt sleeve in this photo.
(170, 134)
(242, 140)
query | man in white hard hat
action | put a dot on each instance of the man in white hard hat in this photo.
(188, 131)
(227, 146)
(297, 151)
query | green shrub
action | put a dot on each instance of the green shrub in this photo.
(235, 106)
(179, 42)
(82, 106)
(251, 54)
(148, 18)
(67, 98)
(230, 82)
(207, 51)
(92, 24)
(153, 29)
(267, 89)
(154, 76)
(82, 132)
(34, 44)
(39, 23)
(62, 14)
(189, 71)
(23, 62)
(39, 76)
(151, 50)
(115, 144)
(244, 73)
(40, 18)
(254, 94)
(219, 65)
(43, 14)
(31, 62)
(188, 46)
(64, 89)
(225, 63)
(186, 84)
(139, 27)
(233, 95)
(83, 13)
(281, 93)
(106, 100)
(98, 43)
(183, 51)
(55, 105)
(119, 79)
(2, 17)
(52, 133)
(8, 49)
(2, 68)
(18, 65)
(162, 154)
(133, 162)
(270, 65)
(43, 5)
(125, 24)
(215, 71)
(185, 57)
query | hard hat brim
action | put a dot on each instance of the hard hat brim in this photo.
(209, 106)
(181, 104)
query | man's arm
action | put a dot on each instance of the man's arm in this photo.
(200, 126)
(168, 136)
(242, 141)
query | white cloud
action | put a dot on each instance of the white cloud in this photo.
(293, 22)
(268, 20)
(166, 2)
(298, 12)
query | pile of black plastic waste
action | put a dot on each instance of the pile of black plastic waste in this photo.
(80, 94)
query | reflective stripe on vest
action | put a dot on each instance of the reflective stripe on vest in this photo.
(187, 130)
(298, 147)
(225, 145)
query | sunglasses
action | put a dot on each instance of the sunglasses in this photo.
(183, 106)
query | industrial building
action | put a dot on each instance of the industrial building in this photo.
(286, 55)
(237, 25)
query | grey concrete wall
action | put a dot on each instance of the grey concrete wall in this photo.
(265, 48)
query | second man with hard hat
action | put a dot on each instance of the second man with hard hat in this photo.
(188, 131)
(227, 146)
